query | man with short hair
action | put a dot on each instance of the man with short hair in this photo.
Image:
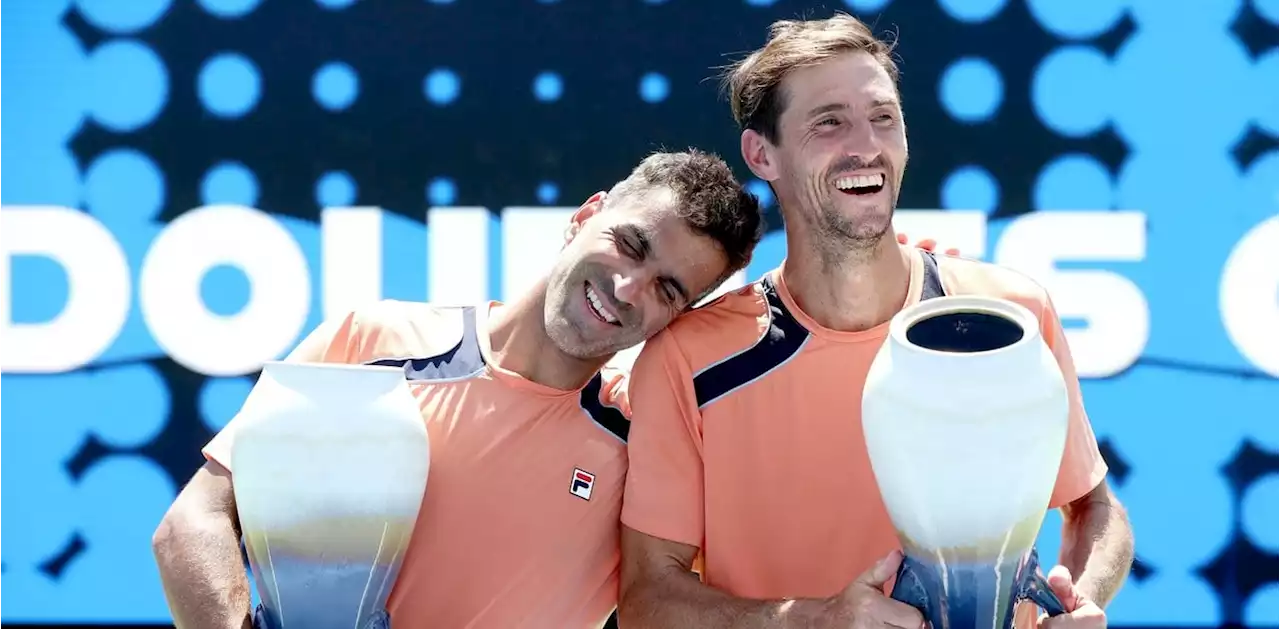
(515, 400)
(747, 455)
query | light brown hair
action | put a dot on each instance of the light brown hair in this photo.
(755, 83)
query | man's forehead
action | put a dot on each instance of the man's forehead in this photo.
(648, 203)
(657, 221)
(853, 79)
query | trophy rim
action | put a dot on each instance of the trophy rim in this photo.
(951, 304)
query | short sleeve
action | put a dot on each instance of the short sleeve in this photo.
(334, 341)
(663, 495)
(1083, 467)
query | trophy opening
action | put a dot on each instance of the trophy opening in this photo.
(964, 332)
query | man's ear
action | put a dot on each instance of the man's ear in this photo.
(589, 208)
(757, 152)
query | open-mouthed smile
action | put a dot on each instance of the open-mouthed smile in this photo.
(598, 307)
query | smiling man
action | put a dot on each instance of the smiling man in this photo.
(747, 449)
(519, 526)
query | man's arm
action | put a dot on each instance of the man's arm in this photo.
(660, 590)
(662, 523)
(197, 547)
(1097, 544)
(1097, 541)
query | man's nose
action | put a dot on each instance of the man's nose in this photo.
(860, 141)
(629, 287)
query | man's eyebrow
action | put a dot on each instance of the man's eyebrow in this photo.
(834, 107)
(884, 102)
(826, 109)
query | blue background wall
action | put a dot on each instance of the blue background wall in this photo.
(1123, 152)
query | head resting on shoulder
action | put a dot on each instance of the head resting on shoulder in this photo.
(647, 250)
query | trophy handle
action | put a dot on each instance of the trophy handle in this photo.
(380, 620)
(909, 587)
(1035, 588)
(261, 620)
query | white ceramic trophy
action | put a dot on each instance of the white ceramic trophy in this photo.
(329, 467)
(965, 416)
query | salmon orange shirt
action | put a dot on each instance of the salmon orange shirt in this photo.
(746, 437)
(519, 524)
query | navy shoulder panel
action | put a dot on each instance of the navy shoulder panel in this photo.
(607, 417)
(462, 361)
(932, 285)
(781, 341)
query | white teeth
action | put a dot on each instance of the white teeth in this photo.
(598, 306)
(860, 181)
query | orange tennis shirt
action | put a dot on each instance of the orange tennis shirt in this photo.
(519, 523)
(746, 437)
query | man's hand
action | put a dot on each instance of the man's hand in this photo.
(658, 590)
(1082, 613)
(863, 603)
(928, 244)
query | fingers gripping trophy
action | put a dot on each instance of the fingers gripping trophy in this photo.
(965, 414)
(331, 466)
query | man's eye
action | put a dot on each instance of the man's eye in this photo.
(670, 294)
(624, 246)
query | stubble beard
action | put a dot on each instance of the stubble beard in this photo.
(564, 324)
(843, 241)
(563, 331)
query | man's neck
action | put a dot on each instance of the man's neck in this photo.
(518, 342)
(857, 292)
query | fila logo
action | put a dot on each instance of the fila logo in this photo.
(582, 484)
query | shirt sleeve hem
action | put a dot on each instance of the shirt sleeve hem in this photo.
(213, 456)
(1095, 478)
(663, 530)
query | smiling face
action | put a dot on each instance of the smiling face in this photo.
(627, 271)
(839, 154)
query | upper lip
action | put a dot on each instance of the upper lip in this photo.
(606, 301)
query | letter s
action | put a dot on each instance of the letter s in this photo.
(1117, 312)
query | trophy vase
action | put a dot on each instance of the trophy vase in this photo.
(329, 467)
(965, 416)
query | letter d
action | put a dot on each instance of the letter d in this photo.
(98, 289)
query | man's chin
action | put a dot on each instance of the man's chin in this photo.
(585, 349)
(859, 234)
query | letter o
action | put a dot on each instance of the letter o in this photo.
(175, 312)
(1247, 296)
